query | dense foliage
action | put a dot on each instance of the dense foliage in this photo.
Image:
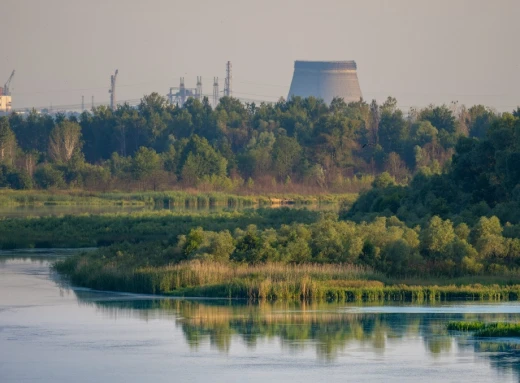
(152, 229)
(483, 179)
(385, 245)
(233, 146)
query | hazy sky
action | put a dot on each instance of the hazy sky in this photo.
(419, 51)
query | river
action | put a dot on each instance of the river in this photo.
(52, 332)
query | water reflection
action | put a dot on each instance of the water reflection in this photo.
(328, 329)
(503, 355)
(44, 326)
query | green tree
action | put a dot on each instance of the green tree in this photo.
(199, 159)
(7, 142)
(46, 176)
(436, 237)
(393, 131)
(423, 132)
(441, 117)
(286, 155)
(145, 162)
(383, 180)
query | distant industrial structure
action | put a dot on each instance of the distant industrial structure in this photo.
(228, 85)
(320, 79)
(326, 80)
(216, 94)
(112, 90)
(5, 95)
(179, 95)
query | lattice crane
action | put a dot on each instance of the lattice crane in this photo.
(6, 90)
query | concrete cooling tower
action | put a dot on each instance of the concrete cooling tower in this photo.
(326, 80)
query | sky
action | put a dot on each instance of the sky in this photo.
(418, 51)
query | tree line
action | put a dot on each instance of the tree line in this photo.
(235, 145)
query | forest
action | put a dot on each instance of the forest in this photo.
(297, 145)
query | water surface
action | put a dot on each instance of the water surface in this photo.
(60, 210)
(50, 332)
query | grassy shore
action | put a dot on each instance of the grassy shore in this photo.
(272, 281)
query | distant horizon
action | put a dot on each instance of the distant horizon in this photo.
(419, 53)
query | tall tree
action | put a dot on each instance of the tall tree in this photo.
(7, 142)
(64, 141)
(286, 153)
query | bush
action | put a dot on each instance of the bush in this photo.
(46, 176)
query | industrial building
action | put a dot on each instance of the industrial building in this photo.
(326, 80)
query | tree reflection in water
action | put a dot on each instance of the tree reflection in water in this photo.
(327, 328)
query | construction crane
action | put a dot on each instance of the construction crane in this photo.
(6, 91)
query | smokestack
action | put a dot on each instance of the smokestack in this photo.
(326, 80)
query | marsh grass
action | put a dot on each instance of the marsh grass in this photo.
(484, 330)
(499, 330)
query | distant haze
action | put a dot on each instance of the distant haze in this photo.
(420, 52)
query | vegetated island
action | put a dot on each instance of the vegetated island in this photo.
(487, 330)
(437, 216)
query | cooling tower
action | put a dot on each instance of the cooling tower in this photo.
(326, 80)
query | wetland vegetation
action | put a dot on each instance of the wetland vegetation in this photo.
(482, 329)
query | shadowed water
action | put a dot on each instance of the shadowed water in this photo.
(52, 333)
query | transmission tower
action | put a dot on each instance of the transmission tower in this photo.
(112, 90)
(229, 81)
(215, 92)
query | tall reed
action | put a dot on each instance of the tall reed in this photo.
(271, 281)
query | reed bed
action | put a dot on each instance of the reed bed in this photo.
(271, 281)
